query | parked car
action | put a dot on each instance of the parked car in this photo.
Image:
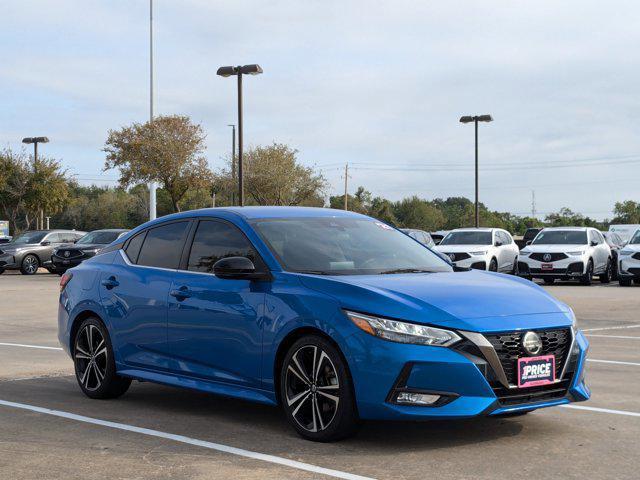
(481, 248)
(420, 235)
(629, 262)
(563, 253)
(527, 238)
(616, 243)
(65, 257)
(31, 250)
(333, 315)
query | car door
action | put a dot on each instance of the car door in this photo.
(48, 244)
(134, 291)
(605, 250)
(512, 249)
(215, 325)
(504, 262)
(599, 253)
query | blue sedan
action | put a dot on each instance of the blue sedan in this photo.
(332, 315)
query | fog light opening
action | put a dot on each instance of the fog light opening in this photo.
(411, 398)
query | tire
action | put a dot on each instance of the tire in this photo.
(1, 271)
(30, 265)
(52, 270)
(515, 270)
(614, 269)
(94, 362)
(320, 409)
(549, 281)
(636, 281)
(587, 278)
(624, 282)
(606, 276)
(493, 265)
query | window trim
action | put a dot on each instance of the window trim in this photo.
(146, 231)
(186, 252)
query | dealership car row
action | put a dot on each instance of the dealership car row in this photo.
(550, 254)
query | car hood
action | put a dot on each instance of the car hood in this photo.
(471, 300)
(462, 248)
(555, 248)
(15, 246)
(82, 246)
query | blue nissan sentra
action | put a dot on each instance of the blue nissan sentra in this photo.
(332, 315)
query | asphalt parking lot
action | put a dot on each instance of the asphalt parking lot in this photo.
(49, 429)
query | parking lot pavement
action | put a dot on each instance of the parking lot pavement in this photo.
(600, 442)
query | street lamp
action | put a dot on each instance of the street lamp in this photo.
(233, 160)
(475, 119)
(36, 141)
(239, 71)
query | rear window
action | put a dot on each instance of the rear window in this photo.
(162, 246)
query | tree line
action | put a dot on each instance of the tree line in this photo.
(170, 150)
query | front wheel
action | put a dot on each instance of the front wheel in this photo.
(606, 276)
(587, 278)
(94, 363)
(516, 269)
(493, 265)
(30, 265)
(316, 391)
(1, 271)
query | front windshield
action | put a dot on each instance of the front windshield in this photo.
(561, 237)
(345, 246)
(97, 237)
(635, 240)
(29, 237)
(467, 238)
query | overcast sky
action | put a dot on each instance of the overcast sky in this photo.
(380, 85)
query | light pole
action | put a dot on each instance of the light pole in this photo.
(475, 119)
(36, 141)
(233, 160)
(152, 184)
(239, 71)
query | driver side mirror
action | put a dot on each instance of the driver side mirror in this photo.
(528, 242)
(238, 268)
(498, 243)
(45, 243)
(594, 243)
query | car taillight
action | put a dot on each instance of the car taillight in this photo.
(64, 279)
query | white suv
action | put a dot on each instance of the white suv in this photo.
(565, 253)
(629, 261)
(481, 248)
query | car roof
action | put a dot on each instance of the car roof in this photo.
(254, 212)
(473, 229)
(110, 230)
(579, 229)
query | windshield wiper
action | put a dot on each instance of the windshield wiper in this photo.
(406, 270)
(313, 272)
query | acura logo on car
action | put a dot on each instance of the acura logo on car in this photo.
(547, 257)
(531, 343)
(66, 254)
(452, 256)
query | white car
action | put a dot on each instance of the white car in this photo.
(629, 261)
(481, 248)
(567, 253)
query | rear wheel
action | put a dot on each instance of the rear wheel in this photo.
(587, 278)
(316, 392)
(606, 276)
(30, 265)
(94, 363)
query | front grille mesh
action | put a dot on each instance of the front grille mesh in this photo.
(458, 256)
(509, 348)
(554, 257)
(636, 256)
(72, 253)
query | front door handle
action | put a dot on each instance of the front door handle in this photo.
(180, 293)
(110, 283)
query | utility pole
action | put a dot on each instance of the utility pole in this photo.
(233, 161)
(346, 186)
(35, 141)
(533, 204)
(152, 184)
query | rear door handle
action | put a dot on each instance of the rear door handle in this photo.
(110, 283)
(180, 293)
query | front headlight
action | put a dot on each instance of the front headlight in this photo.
(625, 253)
(483, 252)
(574, 321)
(524, 253)
(578, 253)
(403, 332)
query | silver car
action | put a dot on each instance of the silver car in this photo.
(31, 250)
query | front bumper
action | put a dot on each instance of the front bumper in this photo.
(476, 262)
(62, 264)
(8, 262)
(629, 267)
(572, 267)
(466, 382)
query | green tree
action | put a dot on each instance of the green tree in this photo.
(626, 212)
(168, 150)
(14, 186)
(413, 212)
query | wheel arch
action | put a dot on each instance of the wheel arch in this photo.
(77, 321)
(289, 340)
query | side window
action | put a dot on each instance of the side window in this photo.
(68, 237)
(501, 238)
(162, 247)
(593, 236)
(600, 237)
(133, 248)
(215, 240)
(508, 238)
(53, 238)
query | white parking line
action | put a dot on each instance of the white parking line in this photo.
(191, 441)
(29, 346)
(614, 362)
(611, 336)
(602, 410)
(619, 327)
